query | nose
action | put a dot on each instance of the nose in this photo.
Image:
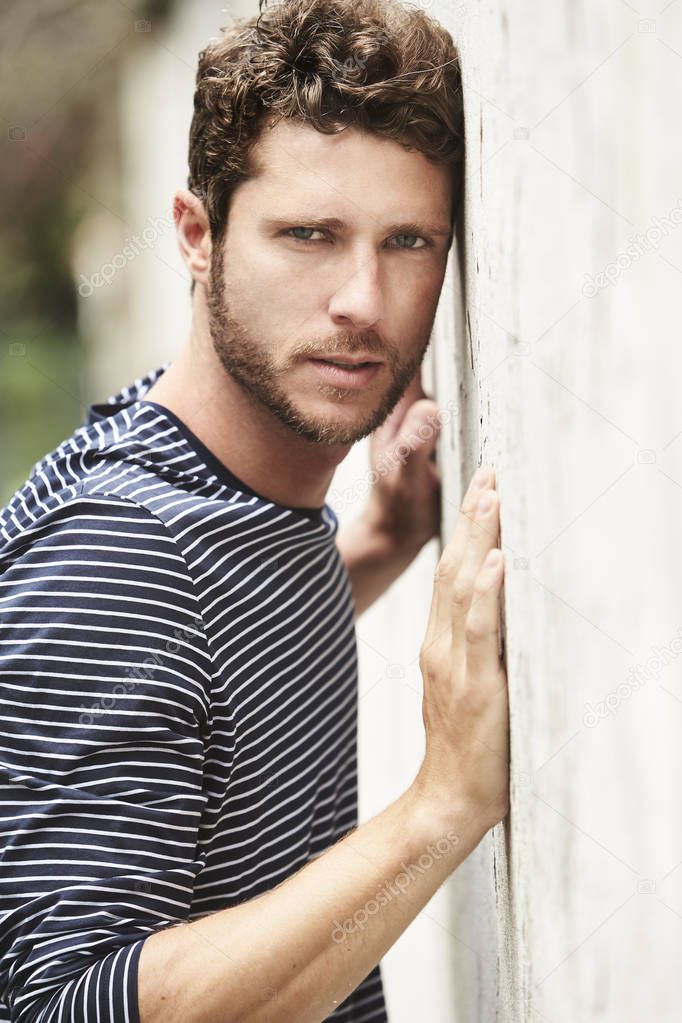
(359, 299)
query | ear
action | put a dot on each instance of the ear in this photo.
(194, 234)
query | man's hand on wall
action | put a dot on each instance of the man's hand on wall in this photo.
(465, 703)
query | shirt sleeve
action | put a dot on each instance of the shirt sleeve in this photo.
(104, 683)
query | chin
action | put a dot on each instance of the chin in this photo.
(347, 431)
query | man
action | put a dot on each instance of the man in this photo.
(180, 674)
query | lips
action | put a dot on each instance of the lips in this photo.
(348, 360)
(356, 377)
(342, 364)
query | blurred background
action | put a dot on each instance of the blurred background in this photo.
(63, 181)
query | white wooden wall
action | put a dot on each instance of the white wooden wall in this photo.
(567, 382)
(575, 907)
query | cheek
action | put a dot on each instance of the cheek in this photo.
(414, 301)
(283, 289)
(277, 295)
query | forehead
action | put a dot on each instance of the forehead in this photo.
(353, 169)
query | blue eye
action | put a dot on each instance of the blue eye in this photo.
(418, 237)
(290, 232)
(313, 229)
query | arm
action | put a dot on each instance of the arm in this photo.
(294, 953)
(103, 687)
(374, 558)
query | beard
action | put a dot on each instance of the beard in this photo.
(249, 362)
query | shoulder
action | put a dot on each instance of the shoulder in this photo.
(99, 544)
(91, 517)
(96, 564)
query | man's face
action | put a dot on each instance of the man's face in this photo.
(286, 287)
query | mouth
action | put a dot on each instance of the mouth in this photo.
(346, 372)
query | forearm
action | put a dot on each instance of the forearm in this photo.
(286, 956)
(373, 560)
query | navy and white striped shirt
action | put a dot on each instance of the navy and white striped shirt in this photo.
(178, 675)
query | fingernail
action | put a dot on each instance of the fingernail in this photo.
(481, 476)
(485, 501)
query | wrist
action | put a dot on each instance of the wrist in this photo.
(438, 813)
(388, 534)
(374, 554)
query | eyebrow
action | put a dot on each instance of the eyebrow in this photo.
(334, 224)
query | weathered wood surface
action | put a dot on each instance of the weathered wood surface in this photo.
(571, 263)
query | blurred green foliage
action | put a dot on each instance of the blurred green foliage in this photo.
(60, 65)
(41, 385)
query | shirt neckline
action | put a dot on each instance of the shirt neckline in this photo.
(219, 469)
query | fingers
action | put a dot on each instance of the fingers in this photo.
(482, 622)
(460, 536)
(440, 617)
(391, 425)
(482, 537)
(420, 432)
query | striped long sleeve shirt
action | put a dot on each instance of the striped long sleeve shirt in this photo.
(178, 676)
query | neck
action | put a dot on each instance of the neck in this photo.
(242, 433)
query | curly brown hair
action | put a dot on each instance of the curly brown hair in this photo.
(380, 65)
